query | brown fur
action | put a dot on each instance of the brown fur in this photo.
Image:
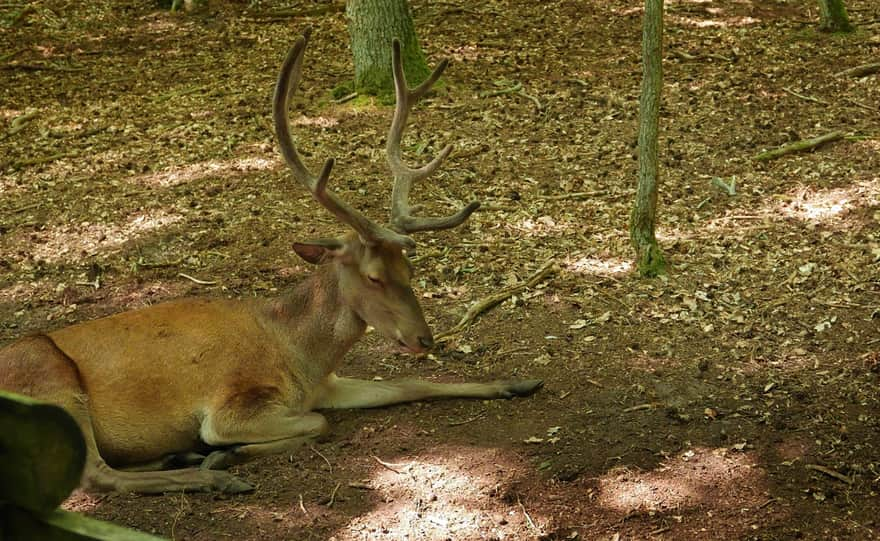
(239, 376)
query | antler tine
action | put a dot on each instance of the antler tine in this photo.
(288, 81)
(404, 176)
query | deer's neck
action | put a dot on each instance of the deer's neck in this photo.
(320, 326)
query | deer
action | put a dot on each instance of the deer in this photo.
(170, 395)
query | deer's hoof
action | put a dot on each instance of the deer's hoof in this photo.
(220, 460)
(230, 484)
(526, 387)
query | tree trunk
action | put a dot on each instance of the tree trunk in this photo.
(833, 17)
(372, 25)
(649, 259)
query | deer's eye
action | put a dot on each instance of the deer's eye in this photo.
(375, 280)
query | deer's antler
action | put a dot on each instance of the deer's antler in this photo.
(404, 176)
(288, 81)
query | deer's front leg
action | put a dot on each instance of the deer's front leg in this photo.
(343, 393)
(256, 423)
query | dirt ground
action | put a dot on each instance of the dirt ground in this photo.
(735, 398)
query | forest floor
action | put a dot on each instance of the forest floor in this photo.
(738, 397)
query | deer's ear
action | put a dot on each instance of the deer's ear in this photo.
(319, 251)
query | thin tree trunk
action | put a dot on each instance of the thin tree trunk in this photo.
(649, 259)
(373, 24)
(833, 17)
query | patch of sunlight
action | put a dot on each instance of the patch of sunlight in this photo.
(542, 225)
(316, 121)
(593, 265)
(24, 290)
(8, 114)
(173, 176)
(697, 478)
(82, 502)
(71, 242)
(466, 52)
(822, 206)
(449, 494)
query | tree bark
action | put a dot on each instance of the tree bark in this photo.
(833, 17)
(373, 24)
(649, 259)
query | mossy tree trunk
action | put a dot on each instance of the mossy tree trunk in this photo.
(373, 24)
(833, 17)
(649, 258)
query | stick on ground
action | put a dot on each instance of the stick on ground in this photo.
(489, 302)
(797, 146)
(860, 71)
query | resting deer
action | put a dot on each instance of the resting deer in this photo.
(217, 382)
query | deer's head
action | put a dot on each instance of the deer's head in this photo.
(372, 267)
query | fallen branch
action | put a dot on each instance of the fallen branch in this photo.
(830, 473)
(38, 67)
(492, 93)
(282, 14)
(487, 303)
(860, 71)
(23, 208)
(18, 123)
(574, 196)
(797, 146)
(42, 160)
(347, 97)
(862, 105)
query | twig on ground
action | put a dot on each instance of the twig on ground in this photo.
(511, 90)
(862, 105)
(768, 502)
(23, 208)
(487, 303)
(361, 485)
(469, 420)
(38, 67)
(197, 281)
(18, 123)
(390, 466)
(302, 507)
(333, 494)
(803, 97)
(797, 146)
(317, 452)
(535, 100)
(830, 473)
(43, 159)
(346, 98)
(576, 196)
(641, 407)
(283, 14)
(526, 514)
(860, 71)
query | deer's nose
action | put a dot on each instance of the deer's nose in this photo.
(427, 342)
